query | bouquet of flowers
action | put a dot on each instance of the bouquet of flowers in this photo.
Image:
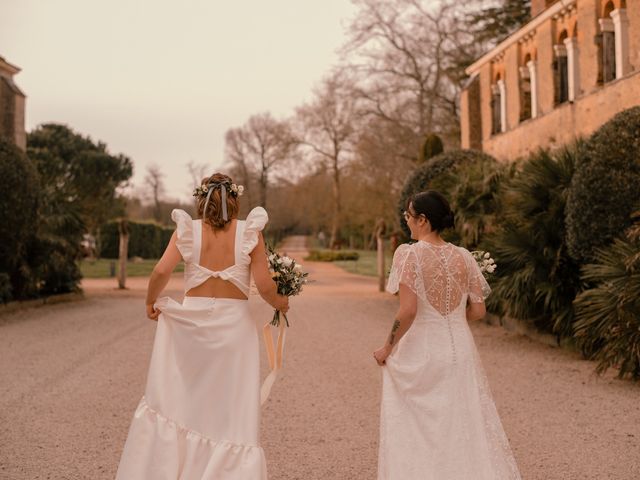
(289, 278)
(485, 262)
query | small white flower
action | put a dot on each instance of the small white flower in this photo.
(298, 267)
(234, 188)
(279, 261)
(204, 188)
(286, 261)
(272, 257)
(491, 268)
(487, 255)
(240, 189)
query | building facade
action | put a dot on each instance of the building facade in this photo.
(12, 103)
(560, 76)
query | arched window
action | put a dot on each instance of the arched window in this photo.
(607, 45)
(498, 106)
(495, 109)
(561, 70)
(525, 89)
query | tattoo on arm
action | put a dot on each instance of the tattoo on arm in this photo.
(394, 329)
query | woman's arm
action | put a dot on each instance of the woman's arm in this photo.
(161, 274)
(261, 276)
(476, 311)
(401, 324)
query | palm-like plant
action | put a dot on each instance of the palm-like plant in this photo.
(536, 279)
(607, 323)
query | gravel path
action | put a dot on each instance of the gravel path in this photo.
(73, 373)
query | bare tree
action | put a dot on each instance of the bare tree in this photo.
(260, 145)
(197, 171)
(327, 129)
(155, 189)
(409, 55)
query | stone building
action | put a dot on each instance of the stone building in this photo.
(562, 75)
(12, 102)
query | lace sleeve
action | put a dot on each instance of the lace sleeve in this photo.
(478, 288)
(404, 270)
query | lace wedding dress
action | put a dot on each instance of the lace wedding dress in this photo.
(199, 417)
(438, 419)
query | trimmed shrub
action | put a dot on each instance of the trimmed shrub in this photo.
(607, 325)
(469, 179)
(331, 255)
(19, 187)
(536, 279)
(606, 186)
(431, 147)
(146, 239)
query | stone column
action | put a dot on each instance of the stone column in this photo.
(533, 78)
(571, 44)
(621, 29)
(503, 105)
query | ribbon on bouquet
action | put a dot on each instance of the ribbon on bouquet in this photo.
(275, 356)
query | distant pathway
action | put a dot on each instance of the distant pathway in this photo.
(72, 375)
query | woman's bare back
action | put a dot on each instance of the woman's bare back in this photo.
(217, 253)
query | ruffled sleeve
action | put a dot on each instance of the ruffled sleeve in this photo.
(478, 288)
(184, 229)
(405, 270)
(254, 224)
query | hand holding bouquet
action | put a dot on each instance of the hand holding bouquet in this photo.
(289, 279)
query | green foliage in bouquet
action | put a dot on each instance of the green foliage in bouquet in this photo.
(537, 279)
(470, 180)
(607, 325)
(331, 255)
(605, 187)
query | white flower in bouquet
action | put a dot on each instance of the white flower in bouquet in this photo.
(485, 262)
(287, 262)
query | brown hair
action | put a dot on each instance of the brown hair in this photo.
(214, 207)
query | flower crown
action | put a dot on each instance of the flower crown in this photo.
(232, 188)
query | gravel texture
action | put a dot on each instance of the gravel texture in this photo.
(72, 375)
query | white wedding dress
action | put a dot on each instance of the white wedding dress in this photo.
(199, 417)
(438, 419)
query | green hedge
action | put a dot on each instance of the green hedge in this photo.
(469, 179)
(605, 189)
(331, 255)
(146, 239)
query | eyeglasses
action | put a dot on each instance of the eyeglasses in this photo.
(407, 214)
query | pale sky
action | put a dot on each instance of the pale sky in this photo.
(161, 81)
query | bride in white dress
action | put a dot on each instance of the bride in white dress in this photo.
(200, 414)
(438, 420)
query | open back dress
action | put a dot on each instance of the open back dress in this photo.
(199, 418)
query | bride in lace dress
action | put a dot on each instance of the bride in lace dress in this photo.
(199, 417)
(438, 420)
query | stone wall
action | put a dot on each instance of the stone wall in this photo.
(567, 121)
(555, 124)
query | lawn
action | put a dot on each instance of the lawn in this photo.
(367, 263)
(102, 268)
